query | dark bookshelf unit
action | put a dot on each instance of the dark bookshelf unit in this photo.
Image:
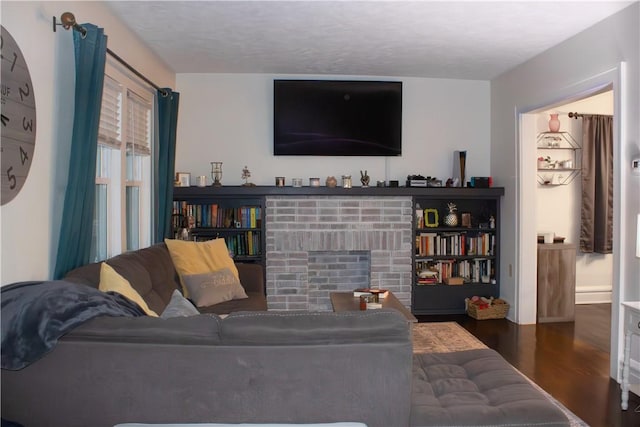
(217, 212)
(454, 262)
(480, 242)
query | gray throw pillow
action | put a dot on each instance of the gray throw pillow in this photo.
(179, 306)
(214, 287)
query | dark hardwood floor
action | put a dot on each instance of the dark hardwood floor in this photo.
(569, 360)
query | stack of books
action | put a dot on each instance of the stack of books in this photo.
(382, 293)
(428, 277)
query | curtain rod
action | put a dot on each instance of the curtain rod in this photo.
(68, 21)
(136, 72)
(577, 115)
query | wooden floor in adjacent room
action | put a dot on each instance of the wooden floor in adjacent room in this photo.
(570, 360)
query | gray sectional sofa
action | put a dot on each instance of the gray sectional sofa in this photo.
(254, 367)
(257, 366)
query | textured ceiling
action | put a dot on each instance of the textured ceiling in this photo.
(464, 40)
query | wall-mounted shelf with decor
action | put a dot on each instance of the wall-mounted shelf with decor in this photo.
(558, 158)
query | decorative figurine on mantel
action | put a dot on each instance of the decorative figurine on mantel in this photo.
(246, 174)
(364, 178)
(216, 174)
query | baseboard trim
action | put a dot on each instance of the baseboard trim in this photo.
(593, 297)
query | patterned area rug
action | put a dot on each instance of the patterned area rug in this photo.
(444, 337)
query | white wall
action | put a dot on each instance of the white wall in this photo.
(567, 71)
(229, 118)
(30, 223)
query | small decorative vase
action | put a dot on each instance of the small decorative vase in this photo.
(554, 123)
(451, 219)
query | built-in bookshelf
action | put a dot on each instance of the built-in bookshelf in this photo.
(455, 258)
(208, 215)
(467, 252)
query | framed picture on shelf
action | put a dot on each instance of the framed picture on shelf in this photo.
(466, 219)
(184, 179)
(431, 218)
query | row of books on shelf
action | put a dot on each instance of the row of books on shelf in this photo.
(215, 216)
(477, 270)
(460, 244)
(247, 243)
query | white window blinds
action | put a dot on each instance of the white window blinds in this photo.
(110, 128)
(139, 135)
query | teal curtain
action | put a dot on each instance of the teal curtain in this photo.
(166, 154)
(76, 230)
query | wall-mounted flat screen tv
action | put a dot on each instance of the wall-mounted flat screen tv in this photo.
(337, 118)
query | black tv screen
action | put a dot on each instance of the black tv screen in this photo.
(337, 118)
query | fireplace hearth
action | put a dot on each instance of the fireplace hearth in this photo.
(316, 245)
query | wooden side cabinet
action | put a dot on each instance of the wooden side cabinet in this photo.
(556, 282)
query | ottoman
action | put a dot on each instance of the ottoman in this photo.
(476, 388)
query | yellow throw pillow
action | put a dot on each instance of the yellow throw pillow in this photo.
(111, 281)
(191, 258)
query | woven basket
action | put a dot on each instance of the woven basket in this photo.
(495, 311)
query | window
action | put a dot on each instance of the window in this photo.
(122, 219)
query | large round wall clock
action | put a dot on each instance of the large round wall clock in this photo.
(18, 132)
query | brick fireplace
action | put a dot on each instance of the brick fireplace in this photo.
(320, 244)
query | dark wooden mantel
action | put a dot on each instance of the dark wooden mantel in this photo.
(266, 190)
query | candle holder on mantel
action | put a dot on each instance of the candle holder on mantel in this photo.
(216, 174)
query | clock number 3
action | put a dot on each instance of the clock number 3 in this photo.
(27, 124)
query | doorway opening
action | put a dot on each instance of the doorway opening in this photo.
(612, 80)
(594, 271)
(568, 277)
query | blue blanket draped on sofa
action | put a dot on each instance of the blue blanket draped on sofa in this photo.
(36, 314)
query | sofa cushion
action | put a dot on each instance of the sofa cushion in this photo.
(191, 258)
(304, 328)
(151, 272)
(179, 306)
(256, 301)
(476, 387)
(213, 287)
(110, 281)
(251, 277)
